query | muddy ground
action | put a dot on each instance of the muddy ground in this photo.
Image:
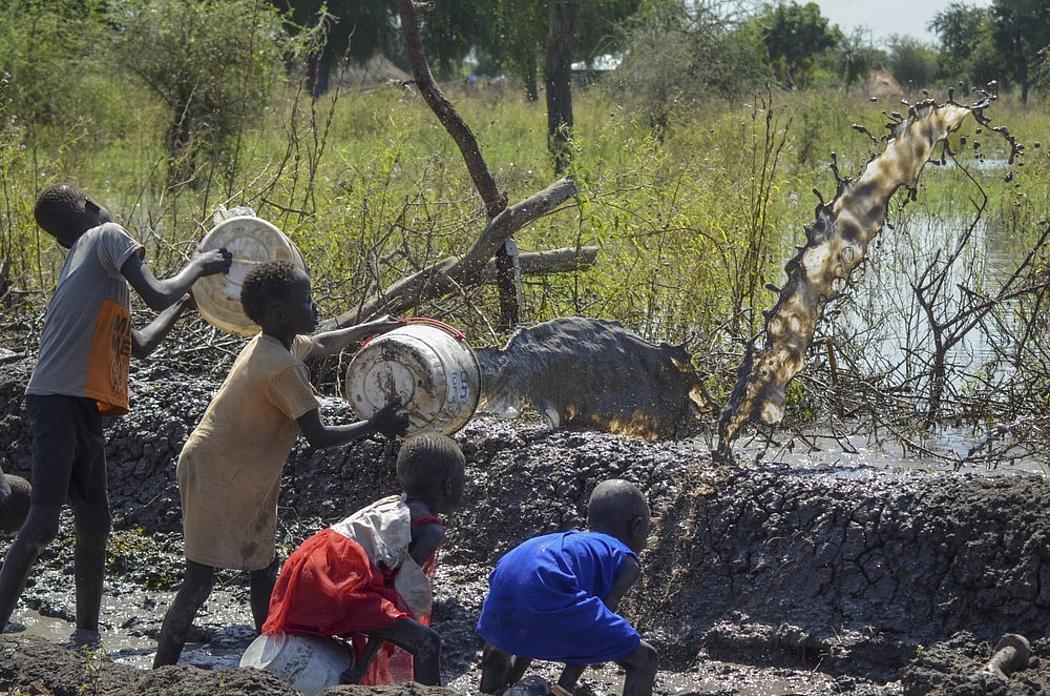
(759, 580)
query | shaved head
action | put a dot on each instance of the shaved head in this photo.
(14, 502)
(619, 508)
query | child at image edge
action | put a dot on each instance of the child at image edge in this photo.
(81, 375)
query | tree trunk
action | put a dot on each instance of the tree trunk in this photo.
(532, 90)
(559, 82)
(319, 71)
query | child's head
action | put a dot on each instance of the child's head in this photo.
(618, 508)
(276, 296)
(65, 212)
(430, 467)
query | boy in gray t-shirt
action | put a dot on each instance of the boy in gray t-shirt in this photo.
(81, 375)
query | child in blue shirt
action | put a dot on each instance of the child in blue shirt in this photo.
(554, 598)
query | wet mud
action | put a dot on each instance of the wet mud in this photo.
(42, 668)
(761, 580)
(956, 667)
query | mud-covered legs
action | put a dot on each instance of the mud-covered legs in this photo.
(196, 587)
(500, 670)
(40, 528)
(93, 524)
(262, 582)
(641, 668)
(423, 643)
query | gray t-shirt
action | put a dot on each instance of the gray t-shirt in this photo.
(85, 348)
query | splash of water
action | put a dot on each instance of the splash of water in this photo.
(593, 374)
(836, 243)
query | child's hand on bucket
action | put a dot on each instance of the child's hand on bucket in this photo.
(389, 420)
(383, 324)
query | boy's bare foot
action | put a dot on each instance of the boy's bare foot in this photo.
(84, 638)
(13, 627)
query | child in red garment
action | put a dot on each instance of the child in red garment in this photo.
(368, 579)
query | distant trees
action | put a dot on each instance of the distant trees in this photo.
(213, 64)
(912, 61)
(794, 35)
(1022, 34)
(359, 29)
(1007, 41)
(681, 52)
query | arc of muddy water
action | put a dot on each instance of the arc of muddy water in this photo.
(836, 243)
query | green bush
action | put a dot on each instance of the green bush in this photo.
(212, 64)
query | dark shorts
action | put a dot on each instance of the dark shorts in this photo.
(69, 455)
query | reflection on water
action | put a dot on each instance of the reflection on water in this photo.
(884, 312)
(851, 455)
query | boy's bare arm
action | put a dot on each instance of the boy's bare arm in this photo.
(331, 342)
(161, 294)
(320, 436)
(427, 541)
(626, 578)
(146, 340)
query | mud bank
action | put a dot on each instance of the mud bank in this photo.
(39, 667)
(757, 580)
(956, 668)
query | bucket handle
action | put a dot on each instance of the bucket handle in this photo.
(453, 331)
(427, 321)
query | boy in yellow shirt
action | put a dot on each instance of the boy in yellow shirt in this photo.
(230, 468)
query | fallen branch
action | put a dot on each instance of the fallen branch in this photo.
(552, 261)
(468, 269)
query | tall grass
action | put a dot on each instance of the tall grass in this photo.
(693, 221)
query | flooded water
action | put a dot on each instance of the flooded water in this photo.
(854, 454)
(883, 309)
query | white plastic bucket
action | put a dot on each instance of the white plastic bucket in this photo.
(309, 663)
(425, 364)
(252, 241)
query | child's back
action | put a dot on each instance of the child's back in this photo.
(89, 323)
(554, 597)
(553, 585)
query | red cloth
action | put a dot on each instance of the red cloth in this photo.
(330, 587)
(393, 665)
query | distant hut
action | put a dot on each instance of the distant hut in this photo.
(881, 83)
(376, 71)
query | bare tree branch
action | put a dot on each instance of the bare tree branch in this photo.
(494, 199)
(465, 270)
(550, 261)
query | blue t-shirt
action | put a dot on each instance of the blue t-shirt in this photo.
(546, 600)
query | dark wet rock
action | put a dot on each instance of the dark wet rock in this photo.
(956, 668)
